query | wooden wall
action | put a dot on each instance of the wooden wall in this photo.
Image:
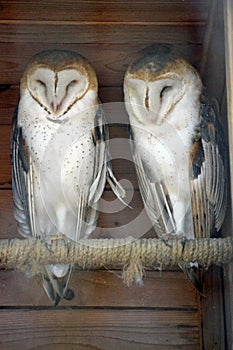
(164, 313)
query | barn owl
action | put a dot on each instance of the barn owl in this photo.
(177, 148)
(60, 159)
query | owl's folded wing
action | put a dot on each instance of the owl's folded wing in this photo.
(208, 173)
(20, 180)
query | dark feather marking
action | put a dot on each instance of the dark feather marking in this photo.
(147, 99)
(56, 82)
(197, 158)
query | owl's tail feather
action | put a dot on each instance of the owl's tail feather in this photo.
(192, 277)
(57, 287)
(116, 187)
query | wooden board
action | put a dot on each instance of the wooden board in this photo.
(104, 11)
(121, 33)
(110, 61)
(102, 289)
(212, 311)
(8, 226)
(5, 139)
(98, 329)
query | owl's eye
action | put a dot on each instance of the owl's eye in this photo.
(72, 83)
(165, 89)
(40, 82)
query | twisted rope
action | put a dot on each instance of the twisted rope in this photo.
(133, 256)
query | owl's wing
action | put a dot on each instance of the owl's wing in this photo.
(158, 207)
(20, 180)
(208, 172)
(154, 195)
(23, 207)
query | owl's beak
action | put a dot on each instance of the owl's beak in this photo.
(56, 107)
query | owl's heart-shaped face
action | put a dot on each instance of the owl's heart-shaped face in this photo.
(57, 92)
(154, 87)
(57, 81)
(152, 100)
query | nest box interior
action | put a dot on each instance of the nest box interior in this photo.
(166, 312)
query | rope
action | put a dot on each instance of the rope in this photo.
(132, 256)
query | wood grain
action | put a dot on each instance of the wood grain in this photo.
(102, 289)
(105, 11)
(109, 61)
(212, 306)
(122, 33)
(98, 329)
(5, 163)
(8, 226)
(9, 96)
(214, 58)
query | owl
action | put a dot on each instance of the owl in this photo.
(60, 158)
(177, 146)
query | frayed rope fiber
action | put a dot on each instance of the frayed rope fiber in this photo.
(132, 256)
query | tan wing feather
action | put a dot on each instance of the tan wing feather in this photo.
(208, 183)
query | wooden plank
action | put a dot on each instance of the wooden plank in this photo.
(5, 163)
(121, 33)
(111, 94)
(109, 61)
(102, 289)
(212, 307)
(9, 96)
(228, 304)
(99, 329)
(8, 226)
(213, 54)
(104, 11)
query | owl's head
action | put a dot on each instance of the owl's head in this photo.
(57, 80)
(155, 83)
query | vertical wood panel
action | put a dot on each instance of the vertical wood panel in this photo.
(213, 315)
